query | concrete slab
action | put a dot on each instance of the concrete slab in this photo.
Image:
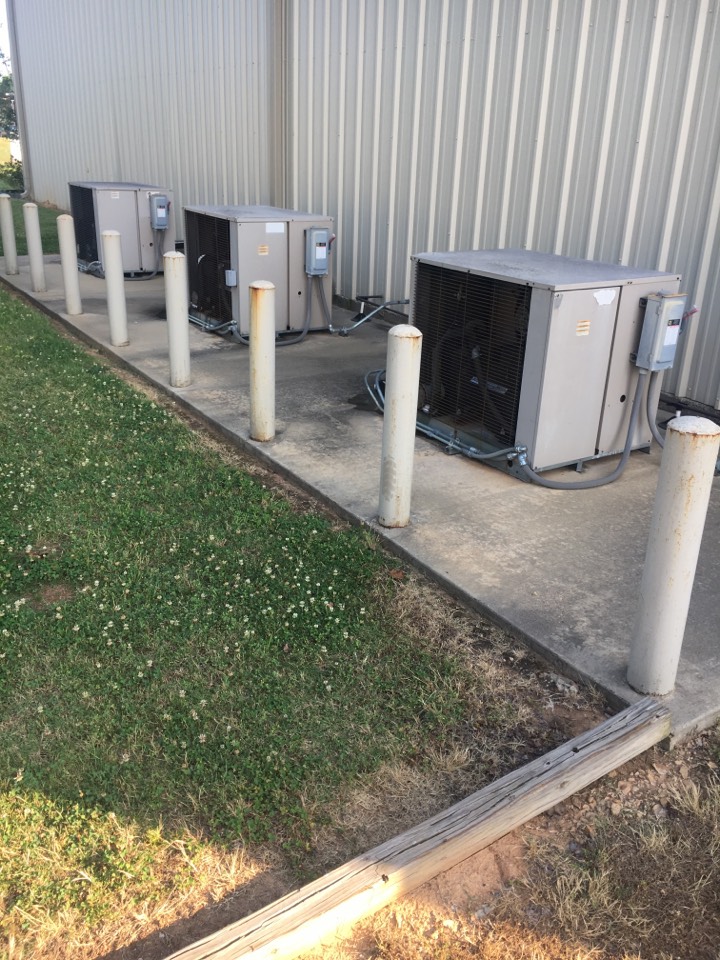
(561, 569)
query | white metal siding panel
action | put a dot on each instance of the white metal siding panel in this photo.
(168, 92)
(586, 127)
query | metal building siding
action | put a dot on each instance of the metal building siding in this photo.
(174, 92)
(584, 127)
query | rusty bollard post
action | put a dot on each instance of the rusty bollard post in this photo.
(681, 502)
(262, 360)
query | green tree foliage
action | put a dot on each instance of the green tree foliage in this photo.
(8, 116)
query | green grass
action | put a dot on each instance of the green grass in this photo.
(48, 228)
(178, 645)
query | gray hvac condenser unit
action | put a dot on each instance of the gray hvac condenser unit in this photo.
(135, 210)
(228, 248)
(523, 348)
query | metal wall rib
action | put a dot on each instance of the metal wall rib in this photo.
(584, 127)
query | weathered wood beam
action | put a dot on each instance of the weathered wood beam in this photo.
(303, 919)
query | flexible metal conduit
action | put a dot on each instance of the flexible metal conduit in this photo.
(373, 384)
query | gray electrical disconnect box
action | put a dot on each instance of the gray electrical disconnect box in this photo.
(159, 211)
(660, 330)
(317, 251)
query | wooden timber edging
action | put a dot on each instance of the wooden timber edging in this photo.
(304, 919)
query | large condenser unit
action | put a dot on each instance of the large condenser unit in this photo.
(228, 248)
(142, 214)
(534, 350)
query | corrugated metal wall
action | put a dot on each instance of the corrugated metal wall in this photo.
(175, 92)
(584, 127)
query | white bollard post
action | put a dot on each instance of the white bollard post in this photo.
(681, 502)
(34, 246)
(68, 259)
(115, 288)
(177, 309)
(402, 381)
(262, 360)
(7, 227)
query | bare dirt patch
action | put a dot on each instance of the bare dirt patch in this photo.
(52, 595)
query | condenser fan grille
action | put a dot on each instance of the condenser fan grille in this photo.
(474, 333)
(83, 212)
(207, 243)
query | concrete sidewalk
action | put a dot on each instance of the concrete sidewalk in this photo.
(560, 568)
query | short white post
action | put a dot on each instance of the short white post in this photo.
(177, 309)
(681, 502)
(262, 360)
(115, 288)
(34, 247)
(402, 380)
(7, 227)
(68, 259)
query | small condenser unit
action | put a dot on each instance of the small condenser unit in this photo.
(134, 210)
(228, 248)
(523, 348)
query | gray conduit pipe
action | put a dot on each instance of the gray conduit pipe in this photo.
(657, 436)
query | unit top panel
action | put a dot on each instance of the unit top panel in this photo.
(108, 185)
(545, 270)
(267, 213)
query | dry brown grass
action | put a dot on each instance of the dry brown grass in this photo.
(66, 934)
(650, 886)
(514, 711)
(642, 885)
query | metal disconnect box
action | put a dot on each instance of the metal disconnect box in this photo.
(228, 248)
(125, 207)
(531, 349)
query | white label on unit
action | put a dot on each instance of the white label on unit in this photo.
(671, 334)
(274, 228)
(115, 195)
(604, 297)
